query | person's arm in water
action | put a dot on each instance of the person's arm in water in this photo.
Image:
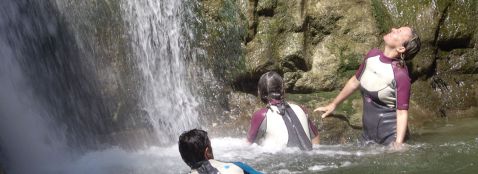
(316, 140)
(314, 132)
(348, 90)
(402, 120)
(403, 97)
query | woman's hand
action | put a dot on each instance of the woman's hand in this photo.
(326, 109)
(398, 147)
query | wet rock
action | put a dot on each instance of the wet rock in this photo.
(276, 45)
(456, 80)
(291, 14)
(458, 25)
(236, 119)
(423, 63)
(344, 126)
(446, 95)
(339, 33)
(336, 129)
(291, 52)
(459, 61)
(448, 26)
(290, 78)
(318, 44)
(445, 68)
(323, 75)
(259, 58)
(223, 31)
(266, 7)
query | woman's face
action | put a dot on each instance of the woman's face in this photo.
(397, 37)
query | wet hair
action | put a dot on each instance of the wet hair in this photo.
(270, 86)
(192, 146)
(412, 47)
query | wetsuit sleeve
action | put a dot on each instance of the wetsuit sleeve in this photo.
(371, 53)
(403, 85)
(246, 168)
(256, 122)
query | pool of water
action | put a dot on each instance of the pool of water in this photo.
(447, 146)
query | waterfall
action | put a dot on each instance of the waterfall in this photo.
(79, 77)
(161, 42)
(31, 140)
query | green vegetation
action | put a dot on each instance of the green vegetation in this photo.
(382, 17)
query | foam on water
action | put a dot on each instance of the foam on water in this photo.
(168, 159)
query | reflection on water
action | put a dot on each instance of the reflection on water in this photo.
(447, 147)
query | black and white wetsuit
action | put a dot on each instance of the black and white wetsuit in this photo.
(385, 87)
(291, 128)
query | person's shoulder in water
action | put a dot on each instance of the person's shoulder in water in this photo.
(257, 124)
(268, 126)
(228, 168)
(215, 166)
(196, 151)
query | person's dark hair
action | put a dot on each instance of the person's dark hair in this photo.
(412, 47)
(270, 86)
(192, 146)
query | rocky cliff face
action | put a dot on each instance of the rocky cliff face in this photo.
(445, 70)
(318, 44)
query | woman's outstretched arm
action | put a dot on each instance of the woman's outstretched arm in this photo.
(348, 90)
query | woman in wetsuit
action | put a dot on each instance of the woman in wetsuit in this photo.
(384, 83)
(280, 124)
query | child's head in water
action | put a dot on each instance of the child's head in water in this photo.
(194, 147)
(404, 40)
(270, 86)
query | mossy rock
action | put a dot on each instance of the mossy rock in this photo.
(423, 63)
(337, 36)
(266, 7)
(344, 126)
(394, 13)
(445, 94)
(459, 61)
(319, 80)
(449, 23)
(224, 29)
(291, 52)
(260, 56)
(335, 129)
(290, 78)
(459, 25)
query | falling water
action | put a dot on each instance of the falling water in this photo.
(31, 141)
(161, 45)
(59, 94)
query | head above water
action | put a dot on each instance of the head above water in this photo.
(404, 41)
(194, 147)
(270, 86)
